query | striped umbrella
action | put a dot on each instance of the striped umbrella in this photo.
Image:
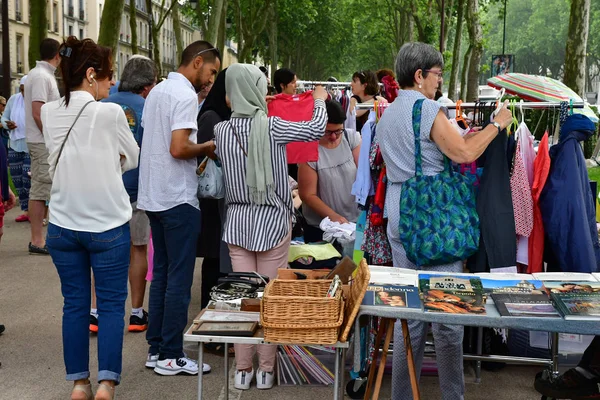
(539, 88)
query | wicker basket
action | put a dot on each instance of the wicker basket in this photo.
(299, 311)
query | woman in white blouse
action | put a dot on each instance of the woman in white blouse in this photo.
(90, 146)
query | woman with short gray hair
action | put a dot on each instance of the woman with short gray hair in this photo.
(419, 69)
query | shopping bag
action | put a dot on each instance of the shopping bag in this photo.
(211, 183)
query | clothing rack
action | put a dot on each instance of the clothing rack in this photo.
(527, 105)
(327, 84)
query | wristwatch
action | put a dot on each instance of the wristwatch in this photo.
(497, 125)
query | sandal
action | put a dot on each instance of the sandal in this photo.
(22, 218)
(86, 389)
(108, 389)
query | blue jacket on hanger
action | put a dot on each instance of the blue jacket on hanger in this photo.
(567, 202)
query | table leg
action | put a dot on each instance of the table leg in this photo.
(414, 382)
(200, 362)
(386, 347)
(554, 349)
(343, 374)
(371, 377)
(226, 357)
(336, 378)
(479, 352)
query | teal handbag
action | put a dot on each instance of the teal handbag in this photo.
(438, 220)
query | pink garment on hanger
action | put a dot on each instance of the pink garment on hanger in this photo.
(296, 108)
(521, 196)
(527, 150)
(541, 169)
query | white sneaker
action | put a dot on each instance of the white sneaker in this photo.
(264, 380)
(243, 379)
(183, 365)
(151, 360)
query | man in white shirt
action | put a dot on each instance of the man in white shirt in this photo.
(40, 88)
(168, 193)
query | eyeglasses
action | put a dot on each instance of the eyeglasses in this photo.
(438, 72)
(337, 132)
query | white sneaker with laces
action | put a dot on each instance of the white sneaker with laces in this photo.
(175, 366)
(243, 379)
(264, 380)
(151, 360)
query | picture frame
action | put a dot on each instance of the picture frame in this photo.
(245, 329)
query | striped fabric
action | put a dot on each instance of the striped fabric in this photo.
(261, 227)
(539, 88)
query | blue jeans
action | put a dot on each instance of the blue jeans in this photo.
(174, 235)
(107, 253)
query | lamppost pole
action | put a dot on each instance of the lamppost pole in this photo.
(5, 51)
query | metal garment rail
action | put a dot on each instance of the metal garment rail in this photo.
(525, 105)
(327, 84)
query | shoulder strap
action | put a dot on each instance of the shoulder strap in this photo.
(416, 120)
(69, 132)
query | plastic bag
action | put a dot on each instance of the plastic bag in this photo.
(211, 183)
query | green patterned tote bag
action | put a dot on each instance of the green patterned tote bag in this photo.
(438, 220)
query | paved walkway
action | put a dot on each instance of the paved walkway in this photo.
(31, 348)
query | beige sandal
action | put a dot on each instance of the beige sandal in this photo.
(107, 388)
(87, 389)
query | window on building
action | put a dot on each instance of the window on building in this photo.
(80, 34)
(55, 18)
(20, 54)
(70, 30)
(19, 10)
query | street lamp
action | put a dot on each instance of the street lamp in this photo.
(193, 3)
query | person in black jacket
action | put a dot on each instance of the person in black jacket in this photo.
(216, 254)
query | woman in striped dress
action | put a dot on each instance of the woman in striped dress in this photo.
(251, 148)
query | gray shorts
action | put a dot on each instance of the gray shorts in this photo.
(139, 226)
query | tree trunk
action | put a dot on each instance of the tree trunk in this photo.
(576, 46)
(476, 45)
(38, 23)
(464, 74)
(456, 52)
(222, 31)
(177, 29)
(240, 36)
(214, 21)
(273, 39)
(133, 27)
(111, 24)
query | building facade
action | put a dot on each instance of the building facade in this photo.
(18, 16)
(82, 18)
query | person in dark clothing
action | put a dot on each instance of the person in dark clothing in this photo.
(365, 89)
(213, 111)
(581, 382)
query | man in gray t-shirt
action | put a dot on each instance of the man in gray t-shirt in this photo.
(40, 88)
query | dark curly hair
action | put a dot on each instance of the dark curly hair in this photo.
(79, 55)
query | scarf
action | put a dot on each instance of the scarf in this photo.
(246, 87)
(17, 115)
